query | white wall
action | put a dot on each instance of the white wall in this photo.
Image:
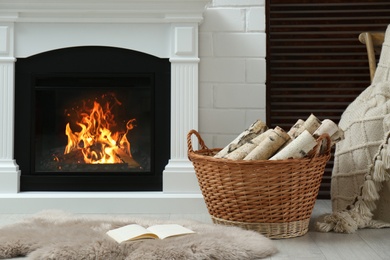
(232, 73)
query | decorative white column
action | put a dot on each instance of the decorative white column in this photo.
(9, 170)
(179, 174)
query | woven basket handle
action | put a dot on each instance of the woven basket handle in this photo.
(324, 145)
(200, 140)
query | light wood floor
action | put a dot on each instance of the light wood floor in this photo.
(365, 244)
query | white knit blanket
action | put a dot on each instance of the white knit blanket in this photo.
(360, 187)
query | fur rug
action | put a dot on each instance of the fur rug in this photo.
(60, 235)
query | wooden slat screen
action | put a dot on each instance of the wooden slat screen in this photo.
(315, 63)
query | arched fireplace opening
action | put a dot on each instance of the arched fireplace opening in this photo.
(92, 119)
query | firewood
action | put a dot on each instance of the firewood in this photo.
(337, 137)
(269, 145)
(311, 124)
(126, 158)
(256, 128)
(245, 149)
(75, 156)
(293, 132)
(327, 127)
(295, 127)
(332, 129)
(298, 148)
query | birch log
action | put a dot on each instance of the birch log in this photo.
(293, 132)
(311, 124)
(298, 148)
(295, 127)
(255, 129)
(269, 145)
(337, 137)
(245, 149)
(327, 127)
(332, 129)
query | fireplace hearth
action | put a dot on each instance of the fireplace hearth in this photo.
(92, 119)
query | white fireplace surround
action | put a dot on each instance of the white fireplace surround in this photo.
(163, 28)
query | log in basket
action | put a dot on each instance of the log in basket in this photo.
(273, 197)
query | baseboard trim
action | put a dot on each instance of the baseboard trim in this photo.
(103, 202)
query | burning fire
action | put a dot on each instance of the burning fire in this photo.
(96, 141)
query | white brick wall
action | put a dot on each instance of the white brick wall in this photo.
(232, 48)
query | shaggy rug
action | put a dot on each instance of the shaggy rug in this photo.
(61, 235)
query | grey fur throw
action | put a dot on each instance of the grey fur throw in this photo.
(59, 235)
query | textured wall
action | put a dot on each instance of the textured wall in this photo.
(232, 48)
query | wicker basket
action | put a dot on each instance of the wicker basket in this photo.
(275, 198)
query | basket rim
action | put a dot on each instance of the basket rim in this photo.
(199, 154)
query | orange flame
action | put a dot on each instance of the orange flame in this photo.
(95, 140)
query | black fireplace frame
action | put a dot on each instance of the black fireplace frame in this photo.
(86, 61)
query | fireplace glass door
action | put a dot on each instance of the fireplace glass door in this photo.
(95, 124)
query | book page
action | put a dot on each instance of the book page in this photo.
(169, 230)
(130, 232)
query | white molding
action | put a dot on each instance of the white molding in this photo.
(117, 11)
(185, 40)
(10, 177)
(103, 202)
(4, 35)
(6, 110)
(9, 170)
(184, 117)
(184, 105)
(6, 39)
(7, 60)
(35, 38)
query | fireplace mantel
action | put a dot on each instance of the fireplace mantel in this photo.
(163, 28)
(113, 11)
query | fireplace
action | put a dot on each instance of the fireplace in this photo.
(167, 30)
(103, 125)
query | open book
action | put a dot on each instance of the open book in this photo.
(134, 232)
